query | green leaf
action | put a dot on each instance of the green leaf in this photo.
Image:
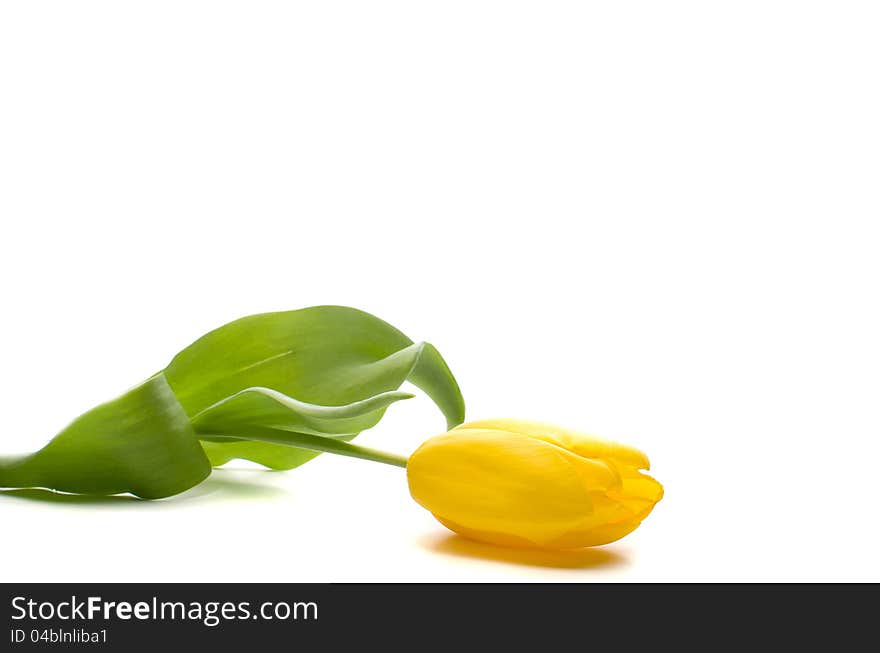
(328, 356)
(275, 388)
(270, 408)
(141, 442)
(277, 414)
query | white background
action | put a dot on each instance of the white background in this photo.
(657, 222)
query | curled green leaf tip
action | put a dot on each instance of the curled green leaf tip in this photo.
(274, 388)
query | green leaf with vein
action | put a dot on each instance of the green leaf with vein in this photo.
(324, 355)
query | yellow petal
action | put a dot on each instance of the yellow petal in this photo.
(615, 514)
(492, 537)
(640, 486)
(595, 536)
(630, 504)
(492, 481)
(582, 444)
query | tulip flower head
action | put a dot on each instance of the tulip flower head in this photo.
(528, 484)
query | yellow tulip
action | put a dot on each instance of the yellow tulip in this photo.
(527, 484)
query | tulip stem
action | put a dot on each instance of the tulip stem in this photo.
(314, 443)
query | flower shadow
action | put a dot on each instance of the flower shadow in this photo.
(589, 558)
